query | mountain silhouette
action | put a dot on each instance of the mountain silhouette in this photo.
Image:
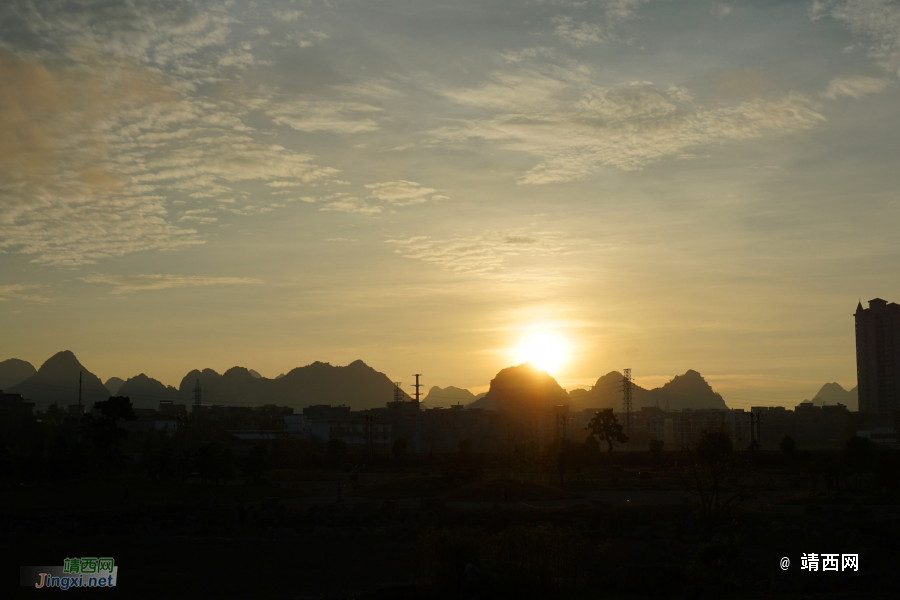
(113, 384)
(834, 393)
(357, 385)
(442, 397)
(57, 381)
(14, 371)
(146, 392)
(683, 391)
(690, 390)
(255, 374)
(524, 387)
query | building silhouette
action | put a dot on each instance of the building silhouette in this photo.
(878, 356)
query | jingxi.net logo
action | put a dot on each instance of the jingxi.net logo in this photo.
(76, 572)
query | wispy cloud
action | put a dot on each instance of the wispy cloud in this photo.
(402, 193)
(854, 87)
(878, 20)
(106, 132)
(352, 204)
(123, 284)
(23, 292)
(578, 31)
(575, 127)
(483, 252)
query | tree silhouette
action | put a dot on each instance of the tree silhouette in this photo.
(709, 470)
(605, 425)
(788, 446)
(106, 434)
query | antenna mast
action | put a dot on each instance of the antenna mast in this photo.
(627, 400)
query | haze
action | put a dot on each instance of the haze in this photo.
(662, 185)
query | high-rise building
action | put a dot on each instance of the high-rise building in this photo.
(878, 356)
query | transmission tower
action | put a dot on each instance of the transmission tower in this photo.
(627, 400)
(398, 393)
(417, 386)
(197, 394)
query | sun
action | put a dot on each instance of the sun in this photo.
(543, 350)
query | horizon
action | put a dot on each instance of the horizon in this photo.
(448, 188)
(646, 383)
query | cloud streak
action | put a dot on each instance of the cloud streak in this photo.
(125, 284)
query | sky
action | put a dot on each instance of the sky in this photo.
(432, 186)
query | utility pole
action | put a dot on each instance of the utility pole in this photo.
(627, 400)
(79, 393)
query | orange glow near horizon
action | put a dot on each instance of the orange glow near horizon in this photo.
(545, 351)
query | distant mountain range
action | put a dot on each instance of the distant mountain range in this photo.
(356, 385)
(834, 393)
(443, 397)
(522, 387)
(57, 381)
(113, 384)
(14, 372)
(683, 391)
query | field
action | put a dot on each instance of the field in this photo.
(408, 531)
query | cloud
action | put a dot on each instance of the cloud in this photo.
(311, 115)
(578, 34)
(878, 20)
(352, 204)
(23, 292)
(574, 127)
(289, 16)
(480, 253)
(582, 33)
(95, 148)
(133, 283)
(854, 87)
(355, 110)
(402, 193)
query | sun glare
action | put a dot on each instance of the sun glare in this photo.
(543, 350)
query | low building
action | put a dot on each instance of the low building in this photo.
(886, 436)
(358, 429)
(15, 404)
(167, 407)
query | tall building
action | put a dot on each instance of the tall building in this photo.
(878, 356)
